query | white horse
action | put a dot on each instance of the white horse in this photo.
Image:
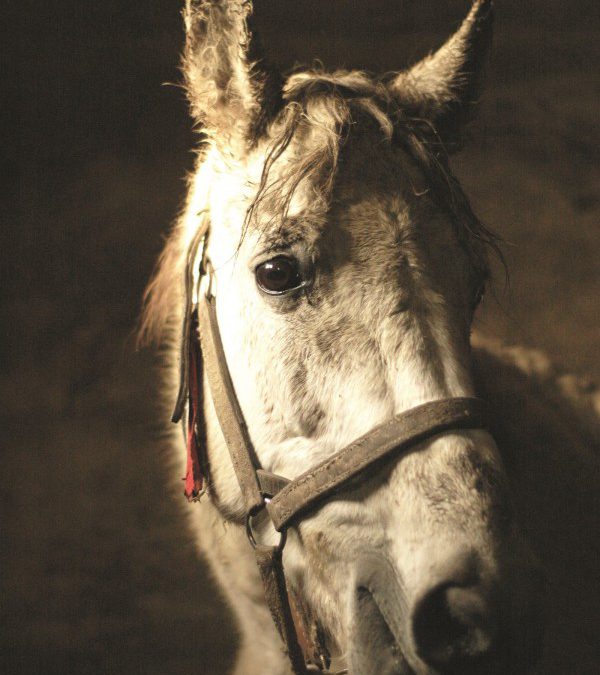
(347, 265)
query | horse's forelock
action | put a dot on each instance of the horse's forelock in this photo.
(321, 113)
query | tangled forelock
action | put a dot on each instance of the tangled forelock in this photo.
(330, 105)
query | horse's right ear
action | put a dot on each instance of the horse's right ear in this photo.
(444, 87)
(233, 94)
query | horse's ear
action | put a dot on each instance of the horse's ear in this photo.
(233, 93)
(444, 87)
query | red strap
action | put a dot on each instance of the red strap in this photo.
(193, 476)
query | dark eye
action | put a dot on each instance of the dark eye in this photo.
(278, 275)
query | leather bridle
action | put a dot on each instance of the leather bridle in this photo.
(285, 501)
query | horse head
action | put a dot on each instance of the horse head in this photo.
(347, 265)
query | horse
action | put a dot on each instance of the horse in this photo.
(345, 265)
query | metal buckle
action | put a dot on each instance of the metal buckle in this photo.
(250, 531)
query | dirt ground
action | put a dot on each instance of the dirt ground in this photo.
(98, 574)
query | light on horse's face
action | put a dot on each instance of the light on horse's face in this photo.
(334, 318)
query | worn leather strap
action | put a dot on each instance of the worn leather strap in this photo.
(226, 405)
(311, 636)
(243, 457)
(395, 436)
(271, 483)
(270, 565)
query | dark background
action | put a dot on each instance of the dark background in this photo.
(98, 574)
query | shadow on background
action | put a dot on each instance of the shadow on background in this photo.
(98, 570)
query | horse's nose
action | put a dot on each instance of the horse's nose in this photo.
(454, 617)
(461, 624)
(453, 625)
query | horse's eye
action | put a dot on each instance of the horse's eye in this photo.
(278, 275)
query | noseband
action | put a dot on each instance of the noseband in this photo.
(285, 501)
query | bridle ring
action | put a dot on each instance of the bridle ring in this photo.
(250, 531)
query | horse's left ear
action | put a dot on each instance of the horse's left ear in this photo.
(444, 87)
(233, 92)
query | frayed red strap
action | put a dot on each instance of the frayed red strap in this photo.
(193, 475)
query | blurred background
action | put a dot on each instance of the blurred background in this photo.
(98, 574)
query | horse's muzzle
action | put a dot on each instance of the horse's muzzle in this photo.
(457, 625)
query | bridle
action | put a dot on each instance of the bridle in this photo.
(285, 501)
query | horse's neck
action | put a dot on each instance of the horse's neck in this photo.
(548, 432)
(526, 380)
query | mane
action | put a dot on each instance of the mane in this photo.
(321, 112)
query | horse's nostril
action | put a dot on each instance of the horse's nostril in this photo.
(453, 626)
